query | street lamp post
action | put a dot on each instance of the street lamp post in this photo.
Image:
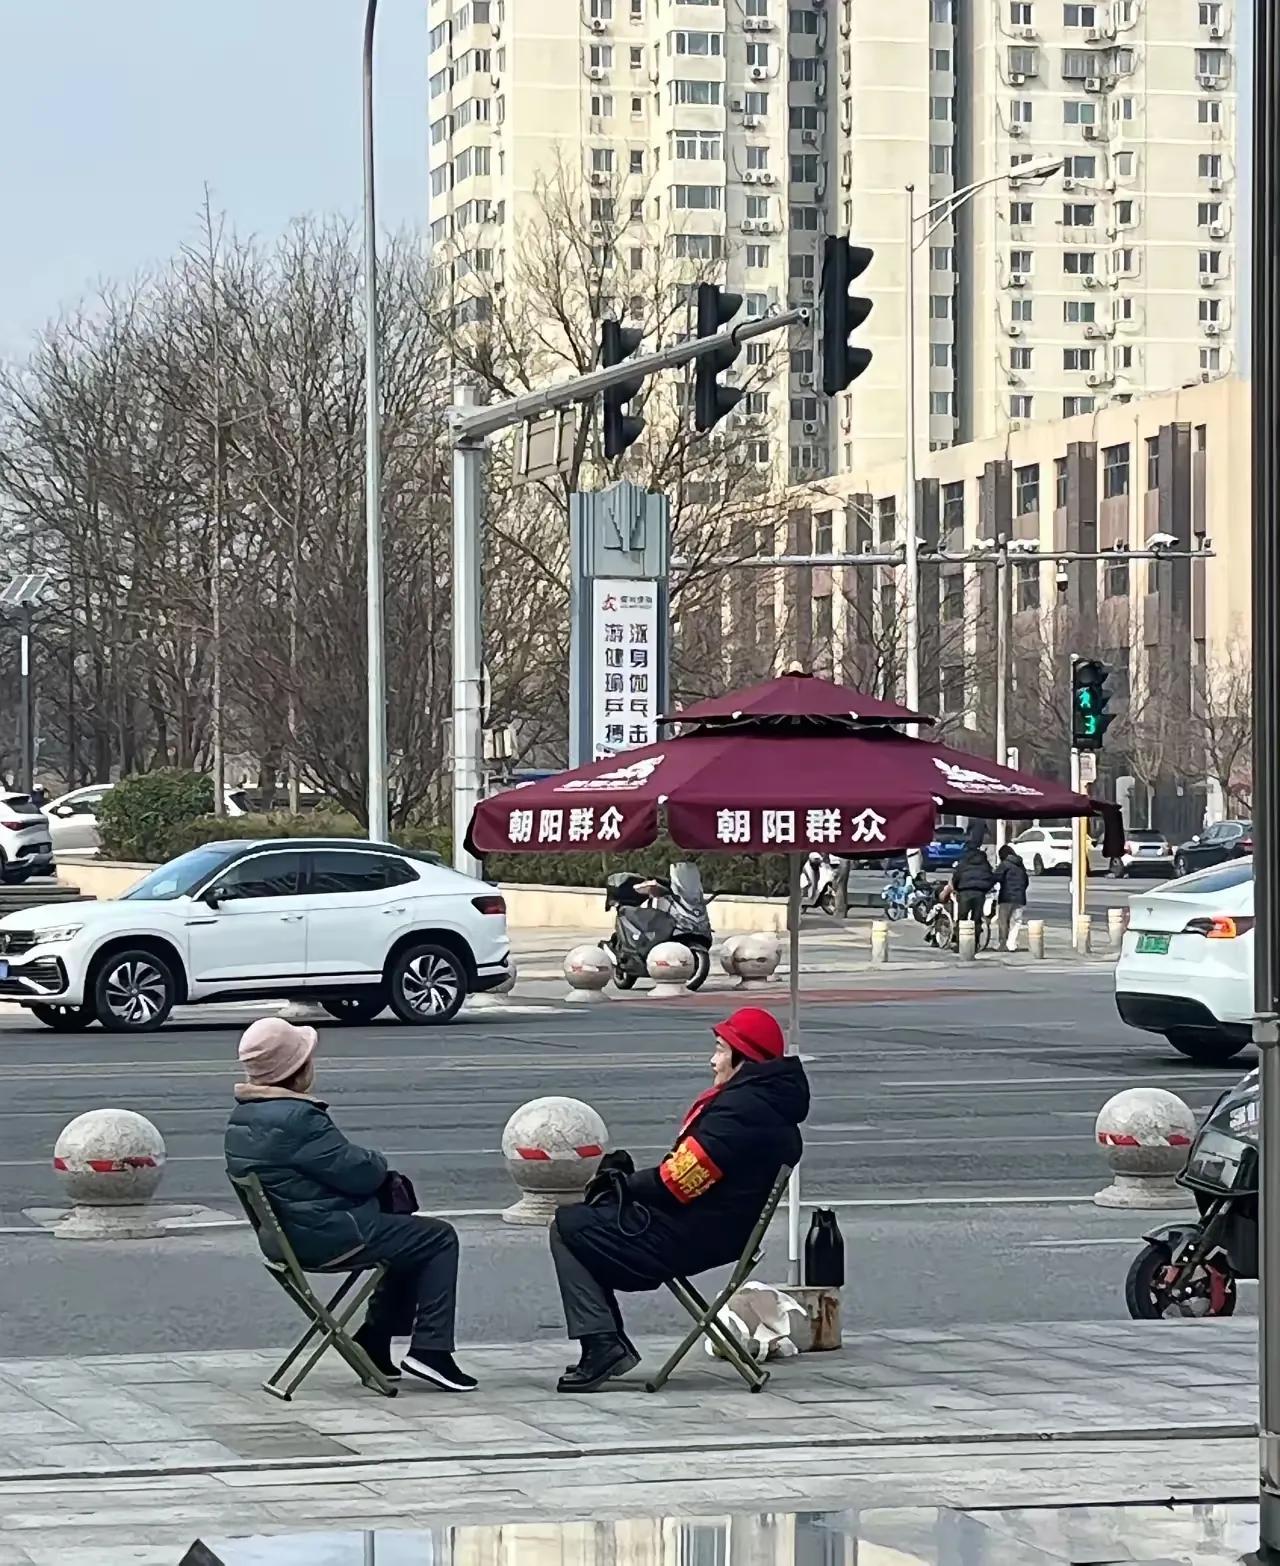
(928, 221)
(378, 790)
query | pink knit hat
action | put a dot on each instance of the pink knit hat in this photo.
(271, 1050)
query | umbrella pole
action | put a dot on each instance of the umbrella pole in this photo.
(794, 1268)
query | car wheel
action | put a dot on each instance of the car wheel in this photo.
(134, 991)
(1037, 865)
(427, 983)
(1206, 1049)
(355, 1008)
(64, 1019)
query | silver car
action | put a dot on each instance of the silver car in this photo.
(25, 845)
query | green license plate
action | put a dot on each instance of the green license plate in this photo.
(1158, 944)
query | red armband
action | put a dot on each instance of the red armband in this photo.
(689, 1171)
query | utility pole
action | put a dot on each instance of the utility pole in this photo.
(1004, 635)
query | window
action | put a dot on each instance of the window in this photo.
(804, 70)
(1126, 163)
(1020, 406)
(1124, 214)
(755, 404)
(1079, 310)
(1208, 212)
(951, 688)
(806, 220)
(1077, 358)
(1211, 62)
(346, 871)
(941, 11)
(1211, 261)
(940, 108)
(1078, 214)
(942, 404)
(1022, 310)
(757, 354)
(1122, 109)
(1077, 64)
(600, 57)
(1026, 488)
(1209, 111)
(602, 160)
(940, 159)
(1026, 578)
(755, 103)
(1210, 165)
(635, 163)
(604, 210)
(1020, 13)
(1079, 15)
(602, 10)
(698, 247)
(263, 875)
(1122, 357)
(705, 93)
(1020, 212)
(804, 168)
(1210, 310)
(940, 356)
(707, 44)
(939, 59)
(1122, 308)
(1020, 111)
(1020, 359)
(697, 198)
(1073, 406)
(636, 259)
(1115, 471)
(441, 130)
(756, 305)
(441, 179)
(1211, 360)
(1153, 461)
(803, 22)
(1210, 13)
(757, 207)
(1023, 62)
(953, 596)
(1079, 263)
(1061, 480)
(757, 257)
(953, 510)
(801, 360)
(804, 116)
(637, 108)
(886, 519)
(1020, 261)
(1081, 166)
(1122, 63)
(1079, 111)
(801, 265)
(704, 145)
(940, 307)
(1115, 579)
(440, 82)
(475, 160)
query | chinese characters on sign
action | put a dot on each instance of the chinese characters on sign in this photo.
(785, 829)
(578, 824)
(624, 648)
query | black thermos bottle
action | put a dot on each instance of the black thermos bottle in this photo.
(824, 1251)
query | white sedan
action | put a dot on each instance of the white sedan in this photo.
(1186, 967)
(1044, 849)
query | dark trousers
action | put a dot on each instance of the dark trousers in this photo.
(969, 905)
(590, 1309)
(418, 1294)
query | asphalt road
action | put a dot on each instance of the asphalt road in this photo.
(1048, 896)
(952, 1123)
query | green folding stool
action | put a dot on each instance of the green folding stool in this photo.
(328, 1319)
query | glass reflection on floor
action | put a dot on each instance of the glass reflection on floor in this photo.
(1208, 1534)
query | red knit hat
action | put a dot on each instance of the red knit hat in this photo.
(754, 1033)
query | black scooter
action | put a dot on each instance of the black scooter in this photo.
(639, 926)
(1190, 1269)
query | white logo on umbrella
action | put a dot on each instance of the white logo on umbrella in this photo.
(634, 776)
(966, 780)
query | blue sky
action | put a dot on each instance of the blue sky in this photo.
(113, 114)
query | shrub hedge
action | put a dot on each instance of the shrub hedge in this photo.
(138, 817)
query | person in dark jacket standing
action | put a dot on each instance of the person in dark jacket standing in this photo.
(971, 880)
(1011, 877)
(695, 1210)
(329, 1196)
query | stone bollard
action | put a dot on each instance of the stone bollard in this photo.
(496, 998)
(552, 1147)
(728, 954)
(110, 1163)
(1035, 937)
(879, 942)
(756, 960)
(1117, 924)
(588, 970)
(1145, 1133)
(1084, 934)
(967, 940)
(670, 966)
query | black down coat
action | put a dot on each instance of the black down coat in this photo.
(1013, 880)
(973, 872)
(323, 1189)
(698, 1207)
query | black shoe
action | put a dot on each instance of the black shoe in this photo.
(627, 1343)
(440, 1368)
(604, 1358)
(378, 1348)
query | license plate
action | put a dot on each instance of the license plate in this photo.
(1155, 944)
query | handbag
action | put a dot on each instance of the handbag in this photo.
(396, 1194)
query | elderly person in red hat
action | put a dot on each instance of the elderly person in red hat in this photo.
(331, 1198)
(638, 1228)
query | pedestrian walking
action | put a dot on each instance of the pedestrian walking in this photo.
(971, 880)
(637, 1229)
(1012, 879)
(338, 1205)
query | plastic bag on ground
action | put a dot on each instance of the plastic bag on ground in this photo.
(762, 1318)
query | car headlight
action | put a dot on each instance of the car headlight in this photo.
(63, 932)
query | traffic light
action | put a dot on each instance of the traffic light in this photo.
(621, 429)
(711, 401)
(842, 363)
(1090, 719)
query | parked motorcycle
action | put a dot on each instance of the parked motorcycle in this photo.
(648, 912)
(818, 883)
(1191, 1269)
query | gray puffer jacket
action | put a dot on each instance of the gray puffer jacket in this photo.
(323, 1188)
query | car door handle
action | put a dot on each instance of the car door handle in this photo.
(290, 918)
(191, 922)
(390, 911)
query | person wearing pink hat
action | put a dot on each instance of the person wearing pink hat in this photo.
(331, 1195)
(696, 1209)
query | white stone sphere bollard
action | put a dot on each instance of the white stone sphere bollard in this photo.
(496, 998)
(110, 1163)
(588, 969)
(967, 940)
(729, 955)
(552, 1147)
(1145, 1133)
(670, 966)
(756, 960)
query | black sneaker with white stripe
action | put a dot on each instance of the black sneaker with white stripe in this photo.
(440, 1369)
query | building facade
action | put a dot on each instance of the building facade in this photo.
(741, 133)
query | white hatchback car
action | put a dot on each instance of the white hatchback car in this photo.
(351, 925)
(1186, 967)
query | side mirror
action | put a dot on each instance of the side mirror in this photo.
(213, 898)
(64, 811)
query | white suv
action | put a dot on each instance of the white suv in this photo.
(351, 925)
(25, 846)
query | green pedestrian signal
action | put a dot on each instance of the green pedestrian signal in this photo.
(1090, 719)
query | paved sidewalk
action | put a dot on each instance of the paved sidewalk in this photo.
(99, 1456)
